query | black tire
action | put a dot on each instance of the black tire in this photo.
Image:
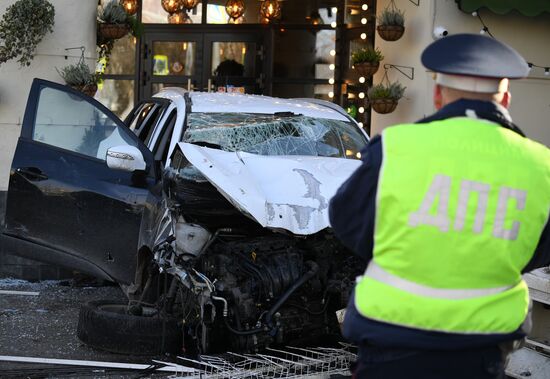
(105, 325)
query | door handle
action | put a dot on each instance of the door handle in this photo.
(31, 173)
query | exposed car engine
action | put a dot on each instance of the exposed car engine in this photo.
(246, 288)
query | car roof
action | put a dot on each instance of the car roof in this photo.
(220, 102)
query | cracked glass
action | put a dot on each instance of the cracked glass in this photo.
(268, 134)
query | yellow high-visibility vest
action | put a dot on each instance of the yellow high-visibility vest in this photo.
(461, 205)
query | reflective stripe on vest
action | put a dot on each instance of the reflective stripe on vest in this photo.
(378, 273)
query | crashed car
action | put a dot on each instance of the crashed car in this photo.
(209, 209)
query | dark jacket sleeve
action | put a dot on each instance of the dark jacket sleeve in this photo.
(352, 209)
(541, 258)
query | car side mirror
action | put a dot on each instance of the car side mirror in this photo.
(125, 158)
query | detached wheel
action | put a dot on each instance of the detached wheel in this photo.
(106, 325)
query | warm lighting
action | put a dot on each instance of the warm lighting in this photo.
(363, 21)
(363, 35)
(361, 110)
(362, 79)
(270, 9)
(184, 46)
(180, 17)
(171, 6)
(314, 18)
(361, 95)
(333, 52)
(331, 94)
(333, 24)
(360, 124)
(331, 81)
(334, 10)
(234, 8)
(331, 67)
(130, 6)
(364, 7)
(189, 4)
(358, 155)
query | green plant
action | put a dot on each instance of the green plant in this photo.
(367, 54)
(78, 75)
(113, 13)
(393, 17)
(393, 91)
(23, 26)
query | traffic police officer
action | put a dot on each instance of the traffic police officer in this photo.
(448, 212)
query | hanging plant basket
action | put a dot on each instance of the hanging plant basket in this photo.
(390, 32)
(383, 106)
(88, 89)
(366, 68)
(108, 32)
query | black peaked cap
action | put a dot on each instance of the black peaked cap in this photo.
(474, 55)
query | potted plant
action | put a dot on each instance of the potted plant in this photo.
(366, 61)
(391, 24)
(113, 21)
(383, 98)
(23, 25)
(79, 77)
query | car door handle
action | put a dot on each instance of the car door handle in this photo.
(32, 173)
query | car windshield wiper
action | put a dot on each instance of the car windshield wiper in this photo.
(287, 114)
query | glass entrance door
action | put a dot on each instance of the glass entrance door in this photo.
(230, 62)
(171, 60)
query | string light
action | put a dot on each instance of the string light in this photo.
(363, 35)
(485, 30)
(331, 94)
(334, 9)
(331, 81)
(364, 7)
(331, 67)
(333, 52)
(333, 24)
(363, 21)
(361, 95)
(361, 110)
(360, 124)
(362, 79)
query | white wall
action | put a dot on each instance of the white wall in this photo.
(74, 26)
(529, 35)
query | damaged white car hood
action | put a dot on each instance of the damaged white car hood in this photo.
(285, 192)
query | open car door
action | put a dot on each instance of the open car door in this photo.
(65, 205)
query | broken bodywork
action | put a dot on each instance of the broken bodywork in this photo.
(253, 259)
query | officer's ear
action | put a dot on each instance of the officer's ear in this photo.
(506, 99)
(438, 97)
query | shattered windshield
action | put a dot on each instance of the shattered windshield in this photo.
(275, 134)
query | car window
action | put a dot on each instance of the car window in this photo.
(70, 122)
(163, 143)
(145, 118)
(275, 134)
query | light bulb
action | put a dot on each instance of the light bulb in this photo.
(331, 94)
(331, 81)
(333, 24)
(364, 7)
(333, 52)
(363, 21)
(361, 95)
(332, 67)
(361, 110)
(360, 124)
(474, 14)
(362, 79)
(334, 10)
(363, 35)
